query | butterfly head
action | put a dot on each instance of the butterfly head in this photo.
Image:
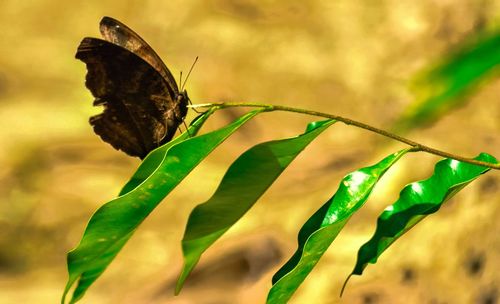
(183, 100)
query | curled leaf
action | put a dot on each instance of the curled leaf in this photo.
(416, 201)
(114, 223)
(322, 227)
(243, 184)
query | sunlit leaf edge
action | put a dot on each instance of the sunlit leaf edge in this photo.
(321, 229)
(405, 214)
(195, 244)
(99, 216)
(153, 160)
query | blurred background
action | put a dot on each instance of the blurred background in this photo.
(352, 58)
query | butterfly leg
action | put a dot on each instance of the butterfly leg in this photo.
(194, 109)
(187, 129)
(185, 126)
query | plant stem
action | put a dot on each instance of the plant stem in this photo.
(417, 146)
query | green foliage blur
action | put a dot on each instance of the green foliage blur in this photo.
(447, 85)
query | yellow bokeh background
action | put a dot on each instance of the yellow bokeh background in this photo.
(351, 58)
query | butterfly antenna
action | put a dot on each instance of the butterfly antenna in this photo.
(180, 78)
(190, 70)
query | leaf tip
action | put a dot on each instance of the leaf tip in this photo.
(345, 285)
(180, 284)
(186, 270)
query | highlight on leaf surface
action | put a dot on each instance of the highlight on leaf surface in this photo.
(447, 84)
(113, 224)
(416, 201)
(321, 229)
(243, 184)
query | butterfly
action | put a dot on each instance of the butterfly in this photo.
(143, 106)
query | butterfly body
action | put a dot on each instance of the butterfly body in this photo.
(143, 106)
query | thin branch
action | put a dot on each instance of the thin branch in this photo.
(417, 146)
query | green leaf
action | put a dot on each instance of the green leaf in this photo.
(416, 201)
(446, 84)
(114, 223)
(322, 227)
(155, 157)
(243, 184)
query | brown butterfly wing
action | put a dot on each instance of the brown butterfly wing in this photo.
(118, 33)
(139, 105)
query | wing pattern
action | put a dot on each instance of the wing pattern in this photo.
(142, 105)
